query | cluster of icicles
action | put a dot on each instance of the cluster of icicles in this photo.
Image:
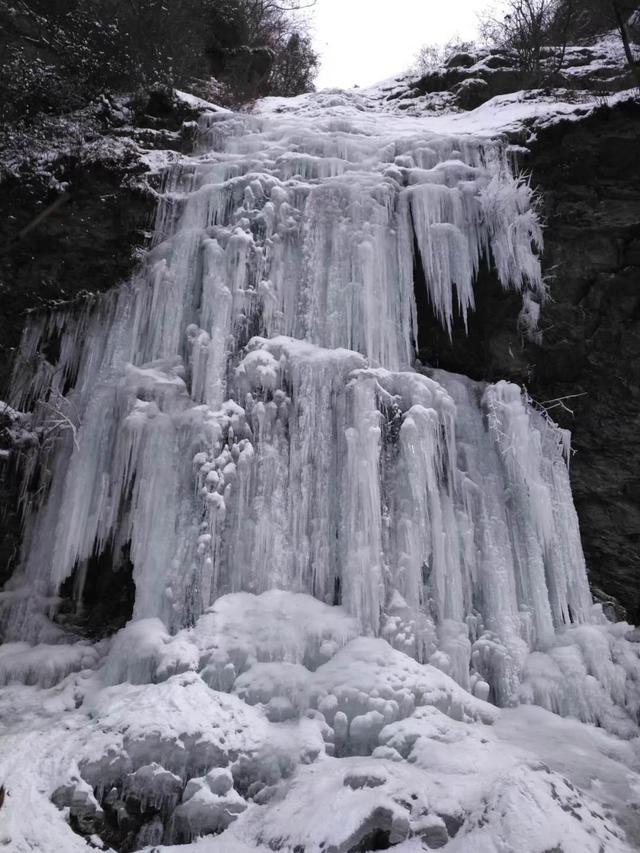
(245, 414)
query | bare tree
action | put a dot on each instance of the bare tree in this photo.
(622, 16)
(535, 33)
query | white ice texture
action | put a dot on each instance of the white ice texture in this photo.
(339, 561)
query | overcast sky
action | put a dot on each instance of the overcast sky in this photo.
(364, 41)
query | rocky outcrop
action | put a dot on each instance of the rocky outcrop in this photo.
(469, 78)
(77, 201)
(589, 177)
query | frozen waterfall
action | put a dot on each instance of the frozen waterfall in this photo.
(248, 416)
(245, 417)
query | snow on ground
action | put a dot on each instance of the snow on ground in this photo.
(368, 745)
(591, 76)
(508, 113)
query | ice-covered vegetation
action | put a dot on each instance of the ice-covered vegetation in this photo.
(362, 617)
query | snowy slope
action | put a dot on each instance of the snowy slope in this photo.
(370, 744)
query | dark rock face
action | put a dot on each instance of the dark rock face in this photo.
(97, 599)
(588, 175)
(77, 203)
(495, 81)
(475, 78)
(84, 243)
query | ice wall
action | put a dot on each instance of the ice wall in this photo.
(245, 414)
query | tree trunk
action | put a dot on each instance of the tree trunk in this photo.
(634, 64)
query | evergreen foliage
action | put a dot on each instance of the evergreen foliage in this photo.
(55, 55)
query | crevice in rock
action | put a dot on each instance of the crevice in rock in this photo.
(490, 348)
(378, 839)
(98, 597)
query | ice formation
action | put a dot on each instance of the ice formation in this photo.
(343, 565)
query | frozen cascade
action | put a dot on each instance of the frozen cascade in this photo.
(244, 422)
(248, 415)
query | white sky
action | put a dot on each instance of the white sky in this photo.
(363, 41)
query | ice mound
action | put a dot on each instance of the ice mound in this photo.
(186, 726)
(283, 688)
(144, 651)
(243, 628)
(368, 685)
(44, 665)
(239, 630)
(307, 737)
(590, 673)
